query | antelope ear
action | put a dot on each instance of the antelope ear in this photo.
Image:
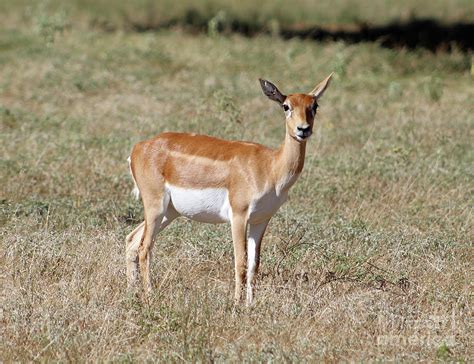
(322, 86)
(271, 91)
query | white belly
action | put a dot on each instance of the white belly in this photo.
(209, 205)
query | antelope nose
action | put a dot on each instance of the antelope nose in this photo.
(303, 128)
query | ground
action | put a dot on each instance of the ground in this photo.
(370, 259)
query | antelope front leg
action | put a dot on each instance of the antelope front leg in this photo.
(253, 256)
(239, 233)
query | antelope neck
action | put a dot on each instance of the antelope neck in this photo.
(290, 160)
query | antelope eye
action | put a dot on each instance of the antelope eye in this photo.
(286, 107)
(314, 108)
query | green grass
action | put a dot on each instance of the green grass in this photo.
(111, 14)
(369, 260)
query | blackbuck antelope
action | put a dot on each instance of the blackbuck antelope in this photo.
(215, 181)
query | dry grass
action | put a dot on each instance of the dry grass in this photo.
(370, 259)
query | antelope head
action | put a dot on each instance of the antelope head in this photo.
(300, 109)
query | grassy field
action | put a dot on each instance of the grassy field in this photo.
(371, 258)
(112, 14)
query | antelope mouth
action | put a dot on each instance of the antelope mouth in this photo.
(303, 135)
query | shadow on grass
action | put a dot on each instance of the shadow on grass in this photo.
(416, 33)
(424, 33)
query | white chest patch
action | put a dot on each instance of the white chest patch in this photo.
(209, 205)
(265, 206)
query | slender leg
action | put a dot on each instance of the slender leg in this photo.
(155, 214)
(253, 256)
(144, 251)
(132, 242)
(239, 232)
